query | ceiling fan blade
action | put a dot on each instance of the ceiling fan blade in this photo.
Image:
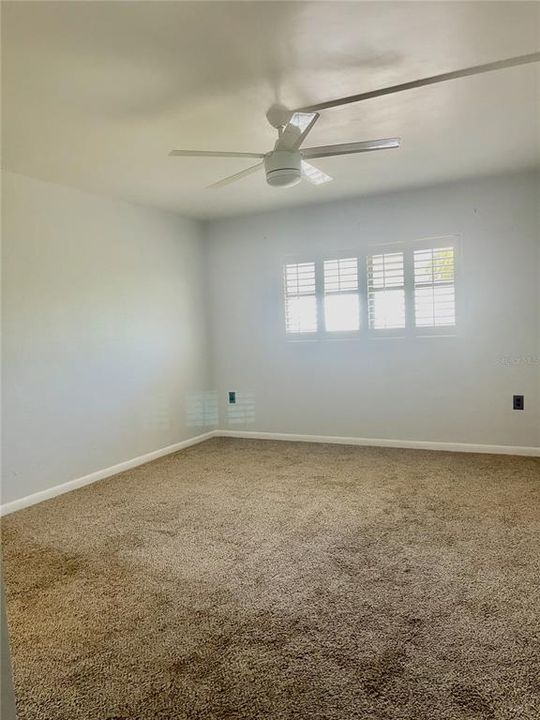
(211, 153)
(475, 70)
(296, 130)
(350, 148)
(236, 176)
(314, 175)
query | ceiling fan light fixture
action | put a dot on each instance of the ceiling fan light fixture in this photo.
(283, 168)
(283, 178)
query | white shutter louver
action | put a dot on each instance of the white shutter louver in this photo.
(300, 298)
(341, 299)
(386, 291)
(434, 291)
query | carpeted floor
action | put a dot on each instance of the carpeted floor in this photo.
(248, 579)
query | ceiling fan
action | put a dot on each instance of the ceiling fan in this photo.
(287, 163)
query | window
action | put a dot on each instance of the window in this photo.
(386, 291)
(434, 293)
(300, 298)
(341, 301)
(410, 289)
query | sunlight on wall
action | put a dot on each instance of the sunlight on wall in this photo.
(202, 409)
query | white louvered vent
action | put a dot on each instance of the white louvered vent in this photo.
(434, 292)
(341, 300)
(386, 291)
(300, 298)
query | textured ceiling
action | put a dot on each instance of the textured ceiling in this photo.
(95, 94)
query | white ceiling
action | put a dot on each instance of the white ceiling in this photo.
(95, 94)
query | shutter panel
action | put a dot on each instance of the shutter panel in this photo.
(300, 298)
(434, 289)
(386, 291)
(341, 299)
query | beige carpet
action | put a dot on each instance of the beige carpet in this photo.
(253, 579)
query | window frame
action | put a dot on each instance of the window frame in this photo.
(364, 332)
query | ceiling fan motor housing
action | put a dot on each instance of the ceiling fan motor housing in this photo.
(283, 168)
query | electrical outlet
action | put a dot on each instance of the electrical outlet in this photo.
(232, 397)
(519, 402)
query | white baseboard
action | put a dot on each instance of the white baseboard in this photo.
(100, 475)
(383, 442)
(38, 497)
